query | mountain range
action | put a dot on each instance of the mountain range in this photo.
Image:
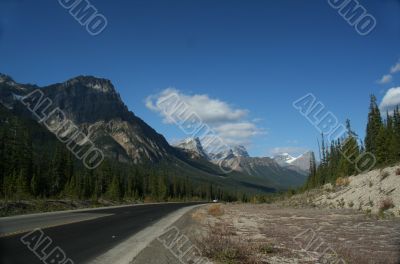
(278, 169)
(95, 106)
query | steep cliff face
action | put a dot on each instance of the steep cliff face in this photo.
(95, 107)
(88, 99)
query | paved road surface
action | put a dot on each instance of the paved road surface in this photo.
(81, 235)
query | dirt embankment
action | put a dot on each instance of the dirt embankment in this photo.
(376, 192)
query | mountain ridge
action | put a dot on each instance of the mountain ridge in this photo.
(238, 159)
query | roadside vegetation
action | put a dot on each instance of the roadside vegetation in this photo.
(223, 244)
(339, 159)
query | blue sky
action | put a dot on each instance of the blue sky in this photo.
(252, 58)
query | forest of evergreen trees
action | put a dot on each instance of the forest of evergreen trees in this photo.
(339, 158)
(33, 164)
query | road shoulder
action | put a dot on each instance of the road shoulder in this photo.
(142, 247)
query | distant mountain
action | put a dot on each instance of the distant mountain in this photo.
(300, 163)
(240, 151)
(284, 159)
(278, 172)
(193, 147)
(303, 161)
(230, 152)
(280, 177)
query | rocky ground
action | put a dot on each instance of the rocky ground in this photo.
(246, 233)
(354, 221)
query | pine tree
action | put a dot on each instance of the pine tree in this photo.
(393, 134)
(58, 171)
(114, 192)
(35, 185)
(373, 127)
(381, 152)
(162, 186)
(350, 152)
(312, 180)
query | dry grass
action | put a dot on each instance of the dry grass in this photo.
(352, 256)
(386, 204)
(199, 216)
(268, 249)
(248, 234)
(216, 210)
(222, 245)
(148, 200)
(342, 181)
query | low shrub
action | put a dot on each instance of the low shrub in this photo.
(386, 204)
(368, 211)
(384, 175)
(371, 184)
(215, 210)
(222, 246)
(340, 203)
(342, 181)
(267, 249)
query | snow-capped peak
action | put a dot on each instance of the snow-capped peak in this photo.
(230, 152)
(301, 162)
(240, 151)
(284, 158)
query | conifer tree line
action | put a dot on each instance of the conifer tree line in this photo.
(42, 167)
(339, 158)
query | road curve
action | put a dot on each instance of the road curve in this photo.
(82, 235)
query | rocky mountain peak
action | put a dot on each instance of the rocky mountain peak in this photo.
(232, 152)
(97, 84)
(6, 79)
(284, 159)
(192, 144)
(240, 151)
(88, 99)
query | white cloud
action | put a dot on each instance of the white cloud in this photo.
(238, 133)
(292, 141)
(385, 79)
(390, 100)
(395, 68)
(209, 110)
(228, 122)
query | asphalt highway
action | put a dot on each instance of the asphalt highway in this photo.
(80, 235)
